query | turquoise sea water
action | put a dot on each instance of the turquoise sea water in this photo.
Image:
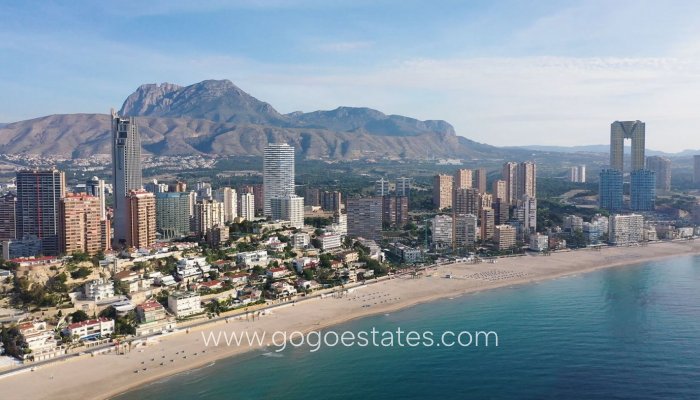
(621, 333)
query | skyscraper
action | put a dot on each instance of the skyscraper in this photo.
(80, 230)
(228, 198)
(442, 191)
(288, 208)
(480, 179)
(643, 190)
(126, 172)
(312, 197)
(509, 175)
(465, 227)
(173, 214)
(578, 174)
(462, 179)
(403, 187)
(141, 219)
(331, 201)
(8, 217)
(621, 130)
(610, 190)
(96, 187)
(365, 217)
(278, 173)
(661, 166)
(246, 206)
(466, 201)
(207, 214)
(381, 187)
(38, 195)
(499, 190)
(487, 223)
(526, 180)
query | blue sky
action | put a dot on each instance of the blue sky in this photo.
(502, 72)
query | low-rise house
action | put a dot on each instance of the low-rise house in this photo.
(365, 274)
(41, 341)
(239, 278)
(300, 240)
(152, 318)
(253, 258)
(98, 289)
(348, 256)
(303, 284)
(90, 329)
(277, 273)
(184, 304)
(302, 262)
(282, 289)
(208, 286)
(192, 267)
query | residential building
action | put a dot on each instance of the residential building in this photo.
(173, 214)
(442, 231)
(253, 258)
(465, 230)
(501, 211)
(403, 187)
(96, 187)
(365, 217)
(217, 235)
(381, 187)
(610, 190)
(207, 214)
(405, 254)
(442, 191)
(510, 174)
(8, 217)
(40, 341)
(126, 174)
(141, 223)
(152, 318)
(300, 240)
(577, 174)
(90, 329)
(480, 178)
(696, 163)
(643, 190)
(526, 180)
(246, 204)
(487, 223)
(178, 186)
(462, 179)
(288, 208)
(526, 213)
(625, 229)
(28, 246)
(98, 289)
(394, 211)
(312, 197)
(330, 241)
(331, 201)
(154, 187)
(661, 166)
(229, 202)
(573, 223)
(184, 304)
(499, 190)
(539, 242)
(504, 236)
(278, 173)
(38, 196)
(466, 201)
(80, 225)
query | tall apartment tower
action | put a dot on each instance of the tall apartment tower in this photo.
(289, 208)
(610, 189)
(381, 187)
(39, 193)
(173, 214)
(480, 179)
(462, 179)
(228, 198)
(278, 173)
(403, 187)
(487, 219)
(509, 175)
(621, 130)
(126, 172)
(207, 214)
(696, 160)
(246, 206)
(466, 201)
(96, 187)
(80, 225)
(8, 217)
(577, 174)
(499, 190)
(442, 191)
(643, 190)
(526, 180)
(141, 221)
(331, 201)
(365, 217)
(661, 166)
(312, 197)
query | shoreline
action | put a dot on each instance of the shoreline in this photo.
(109, 375)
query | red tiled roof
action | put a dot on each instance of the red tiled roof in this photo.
(87, 323)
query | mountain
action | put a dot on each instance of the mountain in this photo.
(604, 148)
(217, 117)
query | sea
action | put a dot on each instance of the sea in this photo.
(629, 332)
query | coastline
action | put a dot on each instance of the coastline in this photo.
(105, 376)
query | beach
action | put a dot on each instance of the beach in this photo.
(103, 376)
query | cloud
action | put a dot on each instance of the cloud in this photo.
(343, 47)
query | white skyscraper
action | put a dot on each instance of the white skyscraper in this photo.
(228, 198)
(288, 208)
(278, 173)
(126, 171)
(246, 206)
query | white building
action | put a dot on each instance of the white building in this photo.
(625, 229)
(40, 340)
(577, 174)
(193, 266)
(229, 200)
(278, 174)
(98, 289)
(288, 208)
(442, 230)
(300, 240)
(92, 328)
(330, 241)
(465, 230)
(246, 206)
(573, 223)
(253, 258)
(539, 242)
(183, 304)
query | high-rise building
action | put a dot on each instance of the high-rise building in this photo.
(80, 225)
(526, 213)
(278, 173)
(173, 214)
(312, 197)
(154, 187)
(403, 187)
(662, 169)
(96, 187)
(499, 190)
(331, 201)
(621, 130)
(465, 230)
(394, 211)
(246, 206)
(8, 217)
(229, 200)
(501, 211)
(487, 223)
(365, 217)
(526, 180)
(610, 190)
(643, 190)
(462, 179)
(441, 228)
(178, 186)
(504, 236)
(204, 191)
(126, 173)
(480, 178)
(401, 211)
(38, 195)
(442, 191)
(509, 175)
(577, 174)
(625, 229)
(381, 188)
(696, 160)
(207, 214)
(289, 208)
(141, 222)
(466, 201)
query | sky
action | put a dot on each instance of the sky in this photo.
(501, 72)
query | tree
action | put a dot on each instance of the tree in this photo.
(308, 274)
(79, 316)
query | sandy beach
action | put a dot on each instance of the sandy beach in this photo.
(104, 376)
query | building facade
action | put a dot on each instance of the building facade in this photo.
(288, 208)
(365, 217)
(39, 193)
(643, 190)
(126, 172)
(442, 191)
(661, 166)
(141, 222)
(80, 225)
(278, 173)
(173, 214)
(610, 190)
